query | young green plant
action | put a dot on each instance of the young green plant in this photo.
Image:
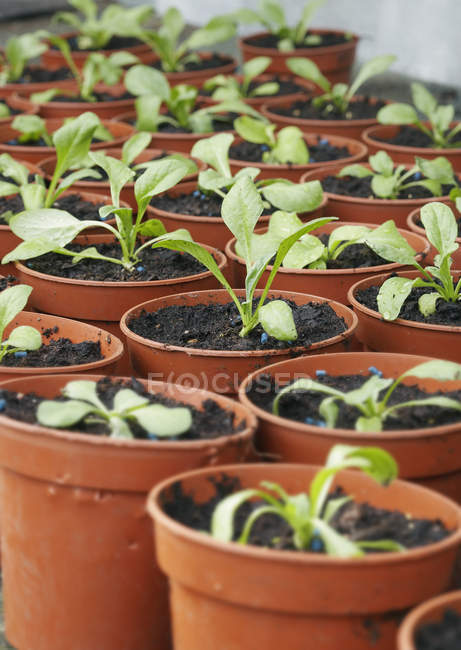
(21, 339)
(19, 50)
(309, 514)
(228, 87)
(85, 406)
(440, 117)
(286, 146)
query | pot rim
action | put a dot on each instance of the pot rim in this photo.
(368, 138)
(305, 51)
(419, 230)
(409, 625)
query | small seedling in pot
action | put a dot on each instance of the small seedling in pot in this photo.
(174, 56)
(441, 230)
(21, 339)
(373, 407)
(337, 97)
(309, 514)
(228, 87)
(389, 181)
(439, 117)
(285, 146)
(152, 90)
(85, 406)
(277, 192)
(94, 32)
(19, 50)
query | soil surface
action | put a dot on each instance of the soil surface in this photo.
(444, 634)
(58, 352)
(115, 43)
(323, 151)
(355, 256)
(271, 40)
(100, 97)
(37, 74)
(286, 87)
(208, 422)
(409, 136)
(217, 327)
(361, 187)
(214, 61)
(303, 405)
(358, 109)
(446, 313)
(225, 123)
(195, 203)
(73, 203)
(357, 521)
(158, 264)
(7, 282)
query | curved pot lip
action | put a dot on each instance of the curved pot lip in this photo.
(106, 442)
(379, 279)
(419, 230)
(337, 140)
(381, 203)
(129, 284)
(199, 352)
(368, 138)
(291, 557)
(345, 434)
(391, 266)
(303, 51)
(84, 53)
(409, 625)
(306, 88)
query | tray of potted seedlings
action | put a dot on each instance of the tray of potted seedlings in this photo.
(433, 625)
(372, 545)
(98, 444)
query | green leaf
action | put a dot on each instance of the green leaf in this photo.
(273, 11)
(427, 303)
(253, 130)
(424, 101)
(387, 242)
(397, 113)
(118, 172)
(72, 142)
(12, 301)
(152, 228)
(294, 197)
(135, 146)
(307, 69)
(162, 421)
(46, 95)
(126, 399)
(255, 67)
(85, 390)
(144, 80)
(28, 249)
(374, 461)
(214, 152)
(346, 234)
(439, 169)
(371, 68)
(31, 127)
(382, 163)
(265, 89)
(277, 320)
(25, 338)
(161, 176)
(336, 544)
(61, 415)
(240, 211)
(441, 227)
(382, 545)
(8, 189)
(357, 171)
(222, 520)
(305, 251)
(209, 35)
(392, 295)
(384, 186)
(306, 17)
(148, 113)
(290, 147)
(13, 169)
(20, 49)
(57, 226)
(436, 369)
(368, 392)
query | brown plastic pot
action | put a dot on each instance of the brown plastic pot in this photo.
(430, 611)
(296, 172)
(19, 104)
(412, 222)
(352, 208)
(119, 130)
(104, 110)
(406, 155)
(27, 89)
(428, 456)
(197, 77)
(401, 335)
(250, 597)
(344, 128)
(329, 283)
(210, 230)
(218, 370)
(74, 515)
(335, 61)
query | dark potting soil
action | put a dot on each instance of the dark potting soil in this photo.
(104, 177)
(208, 422)
(40, 142)
(214, 61)
(7, 282)
(216, 327)
(100, 97)
(224, 124)
(323, 151)
(446, 313)
(443, 634)
(195, 203)
(409, 136)
(158, 264)
(303, 405)
(115, 43)
(37, 74)
(357, 521)
(358, 109)
(286, 87)
(355, 256)
(58, 352)
(73, 203)
(271, 40)
(361, 188)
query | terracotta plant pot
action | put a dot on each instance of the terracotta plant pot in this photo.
(79, 499)
(210, 230)
(400, 335)
(220, 371)
(344, 128)
(352, 208)
(48, 165)
(330, 283)
(335, 61)
(104, 110)
(20, 104)
(27, 89)
(430, 611)
(406, 155)
(412, 222)
(255, 597)
(120, 132)
(296, 172)
(197, 77)
(426, 456)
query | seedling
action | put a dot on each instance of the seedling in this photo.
(152, 90)
(241, 209)
(441, 230)
(22, 339)
(285, 146)
(4, 110)
(165, 41)
(19, 50)
(389, 181)
(96, 31)
(49, 230)
(439, 117)
(278, 192)
(337, 97)
(309, 514)
(228, 87)
(85, 406)
(373, 407)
